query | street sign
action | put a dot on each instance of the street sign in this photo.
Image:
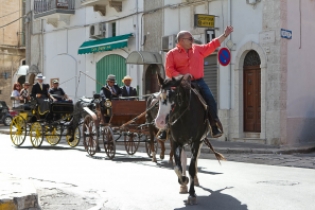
(206, 21)
(224, 56)
(287, 34)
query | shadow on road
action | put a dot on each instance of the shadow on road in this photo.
(168, 165)
(216, 200)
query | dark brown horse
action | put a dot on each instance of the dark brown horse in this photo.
(182, 112)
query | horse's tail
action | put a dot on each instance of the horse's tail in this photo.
(218, 155)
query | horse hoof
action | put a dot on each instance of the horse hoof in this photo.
(192, 200)
(162, 156)
(196, 181)
(183, 180)
(154, 159)
(183, 189)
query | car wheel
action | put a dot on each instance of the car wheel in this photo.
(7, 120)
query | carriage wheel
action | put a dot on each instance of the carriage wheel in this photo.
(36, 134)
(53, 134)
(18, 130)
(90, 137)
(148, 147)
(109, 142)
(77, 137)
(131, 146)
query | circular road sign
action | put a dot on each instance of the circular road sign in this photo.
(224, 56)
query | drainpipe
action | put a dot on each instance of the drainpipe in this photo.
(230, 69)
(137, 47)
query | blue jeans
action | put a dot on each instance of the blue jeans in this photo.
(207, 95)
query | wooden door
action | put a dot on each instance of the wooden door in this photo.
(151, 82)
(252, 102)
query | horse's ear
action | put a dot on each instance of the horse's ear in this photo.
(160, 79)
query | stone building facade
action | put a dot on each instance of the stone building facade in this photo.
(266, 93)
(12, 45)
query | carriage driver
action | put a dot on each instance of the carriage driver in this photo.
(187, 58)
(110, 91)
(57, 93)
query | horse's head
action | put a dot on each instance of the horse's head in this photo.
(172, 94)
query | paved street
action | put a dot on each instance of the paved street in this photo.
(68, 179)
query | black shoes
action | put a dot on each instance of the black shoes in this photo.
(162, 135)
(215, 132)
(217, 129)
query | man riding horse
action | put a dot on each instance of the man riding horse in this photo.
(187, 58)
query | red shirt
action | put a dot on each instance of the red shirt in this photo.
(178, 61)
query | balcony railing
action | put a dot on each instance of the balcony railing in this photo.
(50, 7)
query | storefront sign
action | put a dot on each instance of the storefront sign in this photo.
(205, 21)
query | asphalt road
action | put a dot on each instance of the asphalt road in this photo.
(69, 179)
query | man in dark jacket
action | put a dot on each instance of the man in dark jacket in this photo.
(111, 90)
(40, 93)
(127, 90)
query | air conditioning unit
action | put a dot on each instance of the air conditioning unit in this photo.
(168, 42)
(97, 31)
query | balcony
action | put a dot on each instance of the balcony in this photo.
(53, 8)
(100, 5)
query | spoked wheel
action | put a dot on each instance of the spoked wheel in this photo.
(131, 146)
(53, 134)
(18, 130)
(109, 142)
(36, 134)
(77, 137)
(90, 137)
(148, 147)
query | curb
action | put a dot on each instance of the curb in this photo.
(239, 150)
(17, 194)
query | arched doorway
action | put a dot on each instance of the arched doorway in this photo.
(110, 64)
(151, 83)
(252, 92)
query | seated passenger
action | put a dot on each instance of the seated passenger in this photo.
(15, 95)
(127, 90)
(110, 91)
(57, 93)
(40, 93)
(25, 93)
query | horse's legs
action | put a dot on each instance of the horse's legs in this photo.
(162, 145)
(171, 152)
(193, 171)
(180, 168)
(152, 134)
(183, 188)
(196, 181)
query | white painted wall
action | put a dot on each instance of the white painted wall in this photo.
(62, 43)
(301, 62)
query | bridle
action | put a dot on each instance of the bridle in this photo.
(171, 123)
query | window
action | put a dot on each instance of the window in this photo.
(113, 29)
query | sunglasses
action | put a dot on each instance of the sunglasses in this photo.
(190, 39)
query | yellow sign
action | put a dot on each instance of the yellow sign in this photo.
(206, 21)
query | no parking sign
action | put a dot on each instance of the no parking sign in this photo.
(224, 56)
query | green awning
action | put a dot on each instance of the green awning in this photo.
(105, 44)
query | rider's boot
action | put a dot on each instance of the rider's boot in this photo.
(216, 127)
